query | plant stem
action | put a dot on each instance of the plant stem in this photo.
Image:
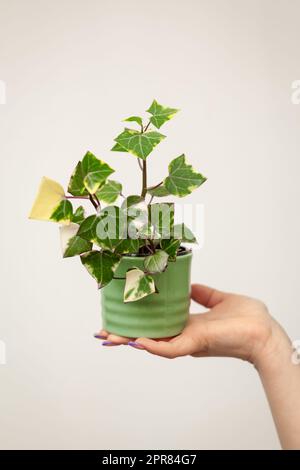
(93, 202)
(97, 200)
(148, 247)
(146, 128)
(144, 168)
(152, 246)
(156, 186)
(76, 197)
(140, 165)
(144, 186)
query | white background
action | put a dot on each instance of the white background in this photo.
(73, 71)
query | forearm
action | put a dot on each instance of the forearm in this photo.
(281, 381)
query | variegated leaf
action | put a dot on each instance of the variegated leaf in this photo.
(63, 213)
(76, 184)
(170, 246)
(87, 229)
(182, 179)
(101, 265)
(111, 227)
(105, 229)
(127, 245)
(118, 148)
(77, 246)
(137, 143)
(138, 285)
(182, 232)
(96, 172)
(160, 191)
(88, 175)
(110, 191)
(157, 262)
(160, 114)
(148, 232)
(136, 210)
(136, 119)
(78, 215)
(132, 201)
(137, 219)
(50, 194)
(161, 216)
(73, 245)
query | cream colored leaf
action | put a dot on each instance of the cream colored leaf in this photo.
(138, 285)
(50, 194)
(66, 233)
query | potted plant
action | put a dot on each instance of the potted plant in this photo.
(133, 250)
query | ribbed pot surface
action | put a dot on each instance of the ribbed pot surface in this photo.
(156, 316)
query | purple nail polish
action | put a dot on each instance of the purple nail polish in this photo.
(99, 336)
(107, 343)
(133, 344)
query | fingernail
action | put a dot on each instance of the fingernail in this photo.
(135, 345)
(99, 336)
(107, 343)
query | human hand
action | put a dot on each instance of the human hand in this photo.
(234, 326)
(241, 327)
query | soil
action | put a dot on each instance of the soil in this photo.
(182, 250)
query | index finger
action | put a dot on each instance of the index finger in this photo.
(169, 349)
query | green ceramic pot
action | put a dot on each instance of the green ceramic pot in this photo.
(159, 315)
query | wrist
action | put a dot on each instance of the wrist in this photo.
(275, 353)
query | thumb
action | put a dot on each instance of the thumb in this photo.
(207, 296)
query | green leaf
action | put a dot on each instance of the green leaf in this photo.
(101, 265)
(78, 215)
(182, 179)
(76, 185)
(138, 285)
(72, 245)
(160, 114)
(131, 201)
(88, 175)
(182, 232)
(87, 229)
(160, 191)
(161, 216)
(63, 212)
(118, 148)
(147, 232)
(135, 210)
(76, 246)
(111, 227)
(157, 262)
(96, 171)
(139, 144)
(110, 191)
(106, 229)
(137, 119)
(171, 246)
(128, 245)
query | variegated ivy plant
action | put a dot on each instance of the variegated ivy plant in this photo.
(135, 227)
